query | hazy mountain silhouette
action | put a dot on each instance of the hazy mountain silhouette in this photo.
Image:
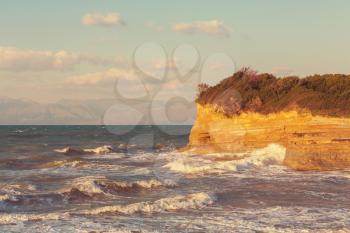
(26, 112)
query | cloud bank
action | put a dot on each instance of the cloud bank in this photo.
(96, 19)
(103, 76)
(18, 60)
(211, 27)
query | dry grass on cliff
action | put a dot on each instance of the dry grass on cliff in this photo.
(247, 90)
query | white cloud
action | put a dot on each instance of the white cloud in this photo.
(211, 27)
(109, 19)
(103, 76)
(15, 59)
(153, 68)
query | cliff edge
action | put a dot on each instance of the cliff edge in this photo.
(310, 117)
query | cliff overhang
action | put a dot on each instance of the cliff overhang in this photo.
(309, 116)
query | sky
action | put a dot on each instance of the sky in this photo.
(54, 50)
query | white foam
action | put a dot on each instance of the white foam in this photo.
(8, 197)
(92, 185)
(344, 175)
(143, 157)
(271, 155)
(63, 163)
(142, 183)
(191, 201)
(112, 155)
(274, 219)
(103, 150)
(9, 192)
(121, 231)
(16, 188)
(86, 184)
(15, 218)
(100, 150)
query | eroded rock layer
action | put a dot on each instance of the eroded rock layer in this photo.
(312, 142)
(310, 117)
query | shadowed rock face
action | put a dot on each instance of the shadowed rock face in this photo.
(326, 95)
(310, 117)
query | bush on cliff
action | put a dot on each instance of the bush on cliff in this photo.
(247, 90)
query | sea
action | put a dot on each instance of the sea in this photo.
(135, 179)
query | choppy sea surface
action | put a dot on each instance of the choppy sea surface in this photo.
(103, 179)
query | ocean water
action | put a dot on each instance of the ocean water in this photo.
(117, 179)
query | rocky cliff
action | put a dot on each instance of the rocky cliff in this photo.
(309, 116)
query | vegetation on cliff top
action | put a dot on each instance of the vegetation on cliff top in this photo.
(246, 90)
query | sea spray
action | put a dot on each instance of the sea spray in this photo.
(191, 201)
(271, 155)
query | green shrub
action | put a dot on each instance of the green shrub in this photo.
(321, 94)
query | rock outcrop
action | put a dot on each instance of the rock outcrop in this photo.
(310, 117)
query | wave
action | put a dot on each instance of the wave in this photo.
(13, 193)
(191, 201)
(103, 150)
(97, 185)
(87, 185)
(7, 197)
(16, 188)
(125, 230)
(273, 154)
(15, 218)
(19, 131)
(185, 202)
(265, 220)
(62, 163)
(9, 192)
(81, 164)
(80, 189)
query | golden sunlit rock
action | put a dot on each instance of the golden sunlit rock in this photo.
(312, 142)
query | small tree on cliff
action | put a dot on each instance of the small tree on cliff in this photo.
(251, 75)
(202, 87)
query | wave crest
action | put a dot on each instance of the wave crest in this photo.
(15, 218)
(63, 163)
(191, 201)
(10, 192)
(103, 150)
(97, 185)
(271, 155)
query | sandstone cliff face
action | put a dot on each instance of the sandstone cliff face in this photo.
(312, 142)
(310, 117)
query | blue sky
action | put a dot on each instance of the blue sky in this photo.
(284, 37)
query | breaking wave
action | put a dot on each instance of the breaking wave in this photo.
(8, 197)
(15, 218)
(273, 154)
(77, 164)
(95, 185)
(63, 163)
(10, 192)
(81, 188)
(103, 150)
(191, 201)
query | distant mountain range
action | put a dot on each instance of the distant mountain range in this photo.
(89, 112)
(27, 112)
